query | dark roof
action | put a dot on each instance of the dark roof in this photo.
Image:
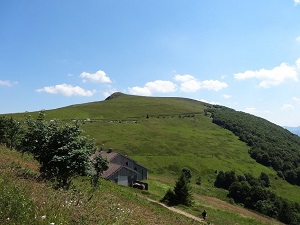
(108, 155)
(113, 167)
(111, 170)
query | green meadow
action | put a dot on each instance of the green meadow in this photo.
(166, 135)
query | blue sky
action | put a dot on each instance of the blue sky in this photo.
(241, 54)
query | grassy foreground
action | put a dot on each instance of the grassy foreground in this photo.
(26, 200)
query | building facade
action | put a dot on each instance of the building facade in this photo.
(122, 169)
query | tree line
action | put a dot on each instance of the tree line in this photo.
(254, 194)
(270, 145)
(58, 147)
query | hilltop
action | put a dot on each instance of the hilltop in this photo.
(166, 134)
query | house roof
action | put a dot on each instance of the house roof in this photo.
(113, 168)
(108, 155)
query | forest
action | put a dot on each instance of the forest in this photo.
(253, 193)
(270, 144)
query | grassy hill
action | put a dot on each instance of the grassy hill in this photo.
(166, 134)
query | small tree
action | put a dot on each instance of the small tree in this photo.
(182, 193)
(13, 133)
(100, 165)
(10, 132)
(264, 179)
(187, 173)
(59, 148)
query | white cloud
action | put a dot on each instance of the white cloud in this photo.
(287, 107)
(213, 85)
(273, 77)
(296, 99)
(296, 2)
(99, 76)
(227, 96)
(158, 86)
(66, 90)
(184, 78)
(190, 84)
(7, 83)
(298, 38)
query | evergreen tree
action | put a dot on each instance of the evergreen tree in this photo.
(183, 191)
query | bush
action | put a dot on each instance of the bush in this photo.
(60, 150)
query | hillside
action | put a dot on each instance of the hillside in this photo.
(166, 134)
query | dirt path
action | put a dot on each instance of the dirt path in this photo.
(229, 207)
(219, 204)
(178, 211)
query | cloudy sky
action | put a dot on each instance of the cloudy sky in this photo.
(237, 53)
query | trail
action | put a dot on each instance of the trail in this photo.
(179, 211)
(217, 203)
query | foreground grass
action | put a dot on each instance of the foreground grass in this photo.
(26, 200)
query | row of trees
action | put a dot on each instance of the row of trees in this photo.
(271, 145)
(58, 147)
(253, 193)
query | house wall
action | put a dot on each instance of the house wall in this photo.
(122, 160)
(124, 177)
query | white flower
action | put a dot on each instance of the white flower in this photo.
(52, 223)
(43, 217)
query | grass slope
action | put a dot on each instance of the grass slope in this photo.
(175, 134)
(26, 200)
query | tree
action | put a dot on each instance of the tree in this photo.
(264, 179)
(224, 180)
(239, 191)
(10, 132)
(220, 179)
(100, 165)
(3, 126)
(13, 133)
(169, 198)
(182, 193)
(187, 173)
(59, 148)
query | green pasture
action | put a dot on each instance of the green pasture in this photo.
(165, 135)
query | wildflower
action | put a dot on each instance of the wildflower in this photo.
(43, 217)
(52, 223)
(8, 219)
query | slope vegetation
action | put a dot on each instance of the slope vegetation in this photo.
(166, 134)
